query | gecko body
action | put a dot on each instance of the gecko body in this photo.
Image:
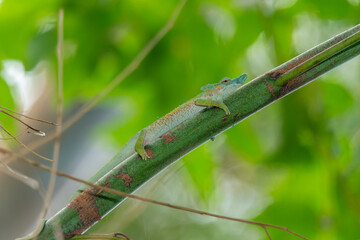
(212, 96)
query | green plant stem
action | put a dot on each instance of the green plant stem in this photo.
(318, 58)
(128, 175)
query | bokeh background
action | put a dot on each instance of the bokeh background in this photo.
(294, 163)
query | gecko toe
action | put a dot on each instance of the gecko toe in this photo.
(226, 109)
(144, 156)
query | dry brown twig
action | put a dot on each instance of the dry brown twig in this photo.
(28, 117)
(59, 112)
(35, 131)
(34, 184)
(123, 194)
(24, 145)
(11, 172)
(17, 136)
(29, 127)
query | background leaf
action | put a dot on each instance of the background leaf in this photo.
(295, 163)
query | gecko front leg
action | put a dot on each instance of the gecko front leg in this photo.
(217, 102)
(212, 97)
(139, 145)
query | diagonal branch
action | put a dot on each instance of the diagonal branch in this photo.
(126, 173)
(132, 196)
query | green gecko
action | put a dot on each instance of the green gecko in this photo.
(212, 96)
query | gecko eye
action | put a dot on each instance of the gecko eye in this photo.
(226, 80)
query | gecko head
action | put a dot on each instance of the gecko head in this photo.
(225, 82)
(239, 80)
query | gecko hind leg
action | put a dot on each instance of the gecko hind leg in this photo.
(139, 145)
(205, 102)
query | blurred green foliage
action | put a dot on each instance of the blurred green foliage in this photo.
(294, 164)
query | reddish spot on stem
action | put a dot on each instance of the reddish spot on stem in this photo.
(290, 86)
(225, 118)
(168, 137)
(150, 153)
(299, 60)
(85, 206)
(125, 177)
(270, 88)
(276, 74)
